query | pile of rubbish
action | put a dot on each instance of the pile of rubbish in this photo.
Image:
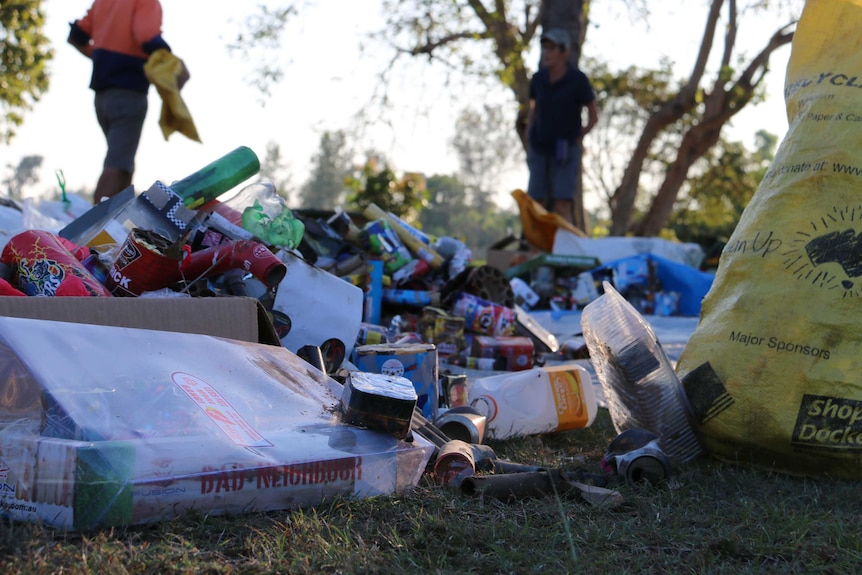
(290, 356)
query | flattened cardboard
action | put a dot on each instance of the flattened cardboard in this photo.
(501, 256)
(235, 317)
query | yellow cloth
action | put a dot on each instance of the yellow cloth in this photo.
(163, 69)
(539, 225)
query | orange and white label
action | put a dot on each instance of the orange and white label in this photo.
(219, 410)
(569, 399)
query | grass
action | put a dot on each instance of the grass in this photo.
(711, 517)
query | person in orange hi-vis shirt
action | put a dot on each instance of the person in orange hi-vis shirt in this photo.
(119, 36)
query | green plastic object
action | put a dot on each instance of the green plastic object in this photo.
(283, 230)
(570, 262)
(217, 177)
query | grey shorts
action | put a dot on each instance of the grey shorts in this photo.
(553, 179)
(121, 115)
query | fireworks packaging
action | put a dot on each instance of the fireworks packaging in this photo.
(44, 264)
(484, 317)
(516, 352)
(148, 262)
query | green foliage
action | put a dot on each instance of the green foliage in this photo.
(720, 184)
(449, 213)
(647, 89)
(331, 166)
(627, 99)
(24, 55)
(716, 196)
(377, 184)
(447, 197)
(486, 146)
(452, 32)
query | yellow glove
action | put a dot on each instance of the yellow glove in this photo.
(163, 69)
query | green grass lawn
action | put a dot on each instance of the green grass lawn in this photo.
(710, 518)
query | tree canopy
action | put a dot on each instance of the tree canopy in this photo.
(677, 115)
(24, 54)
(695, 107)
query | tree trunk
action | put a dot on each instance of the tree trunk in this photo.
(623, 198)
(694, 145)
(568, 15)
(622, 202)
(727, 98)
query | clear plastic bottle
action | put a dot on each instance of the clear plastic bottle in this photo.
(534, 401)
(637, 378)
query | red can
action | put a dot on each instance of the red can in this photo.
(143, 265)
(148, 262)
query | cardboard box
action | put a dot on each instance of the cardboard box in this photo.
(242, 318)
(503, 256)
(443, 330)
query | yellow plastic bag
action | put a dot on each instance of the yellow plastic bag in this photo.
(774, 369)
(538, 224)
(162, 70)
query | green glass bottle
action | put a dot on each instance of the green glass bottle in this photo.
(217, 177)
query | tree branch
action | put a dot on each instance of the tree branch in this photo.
(482, 12)
(690, 89)
(429, 46)
(722, 105)
(730, 35)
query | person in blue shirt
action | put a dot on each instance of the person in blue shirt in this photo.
(558, 94)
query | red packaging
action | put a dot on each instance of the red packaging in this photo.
(143, 265)
(43, 265)
(517, 350)
(247, 255)
(413, 270)
(146, 264)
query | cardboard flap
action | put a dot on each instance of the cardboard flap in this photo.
(234, 317)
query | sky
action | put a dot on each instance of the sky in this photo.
(328, 78)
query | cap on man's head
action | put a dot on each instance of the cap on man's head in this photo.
(559, 37)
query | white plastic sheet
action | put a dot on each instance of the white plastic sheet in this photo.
(110, 426)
